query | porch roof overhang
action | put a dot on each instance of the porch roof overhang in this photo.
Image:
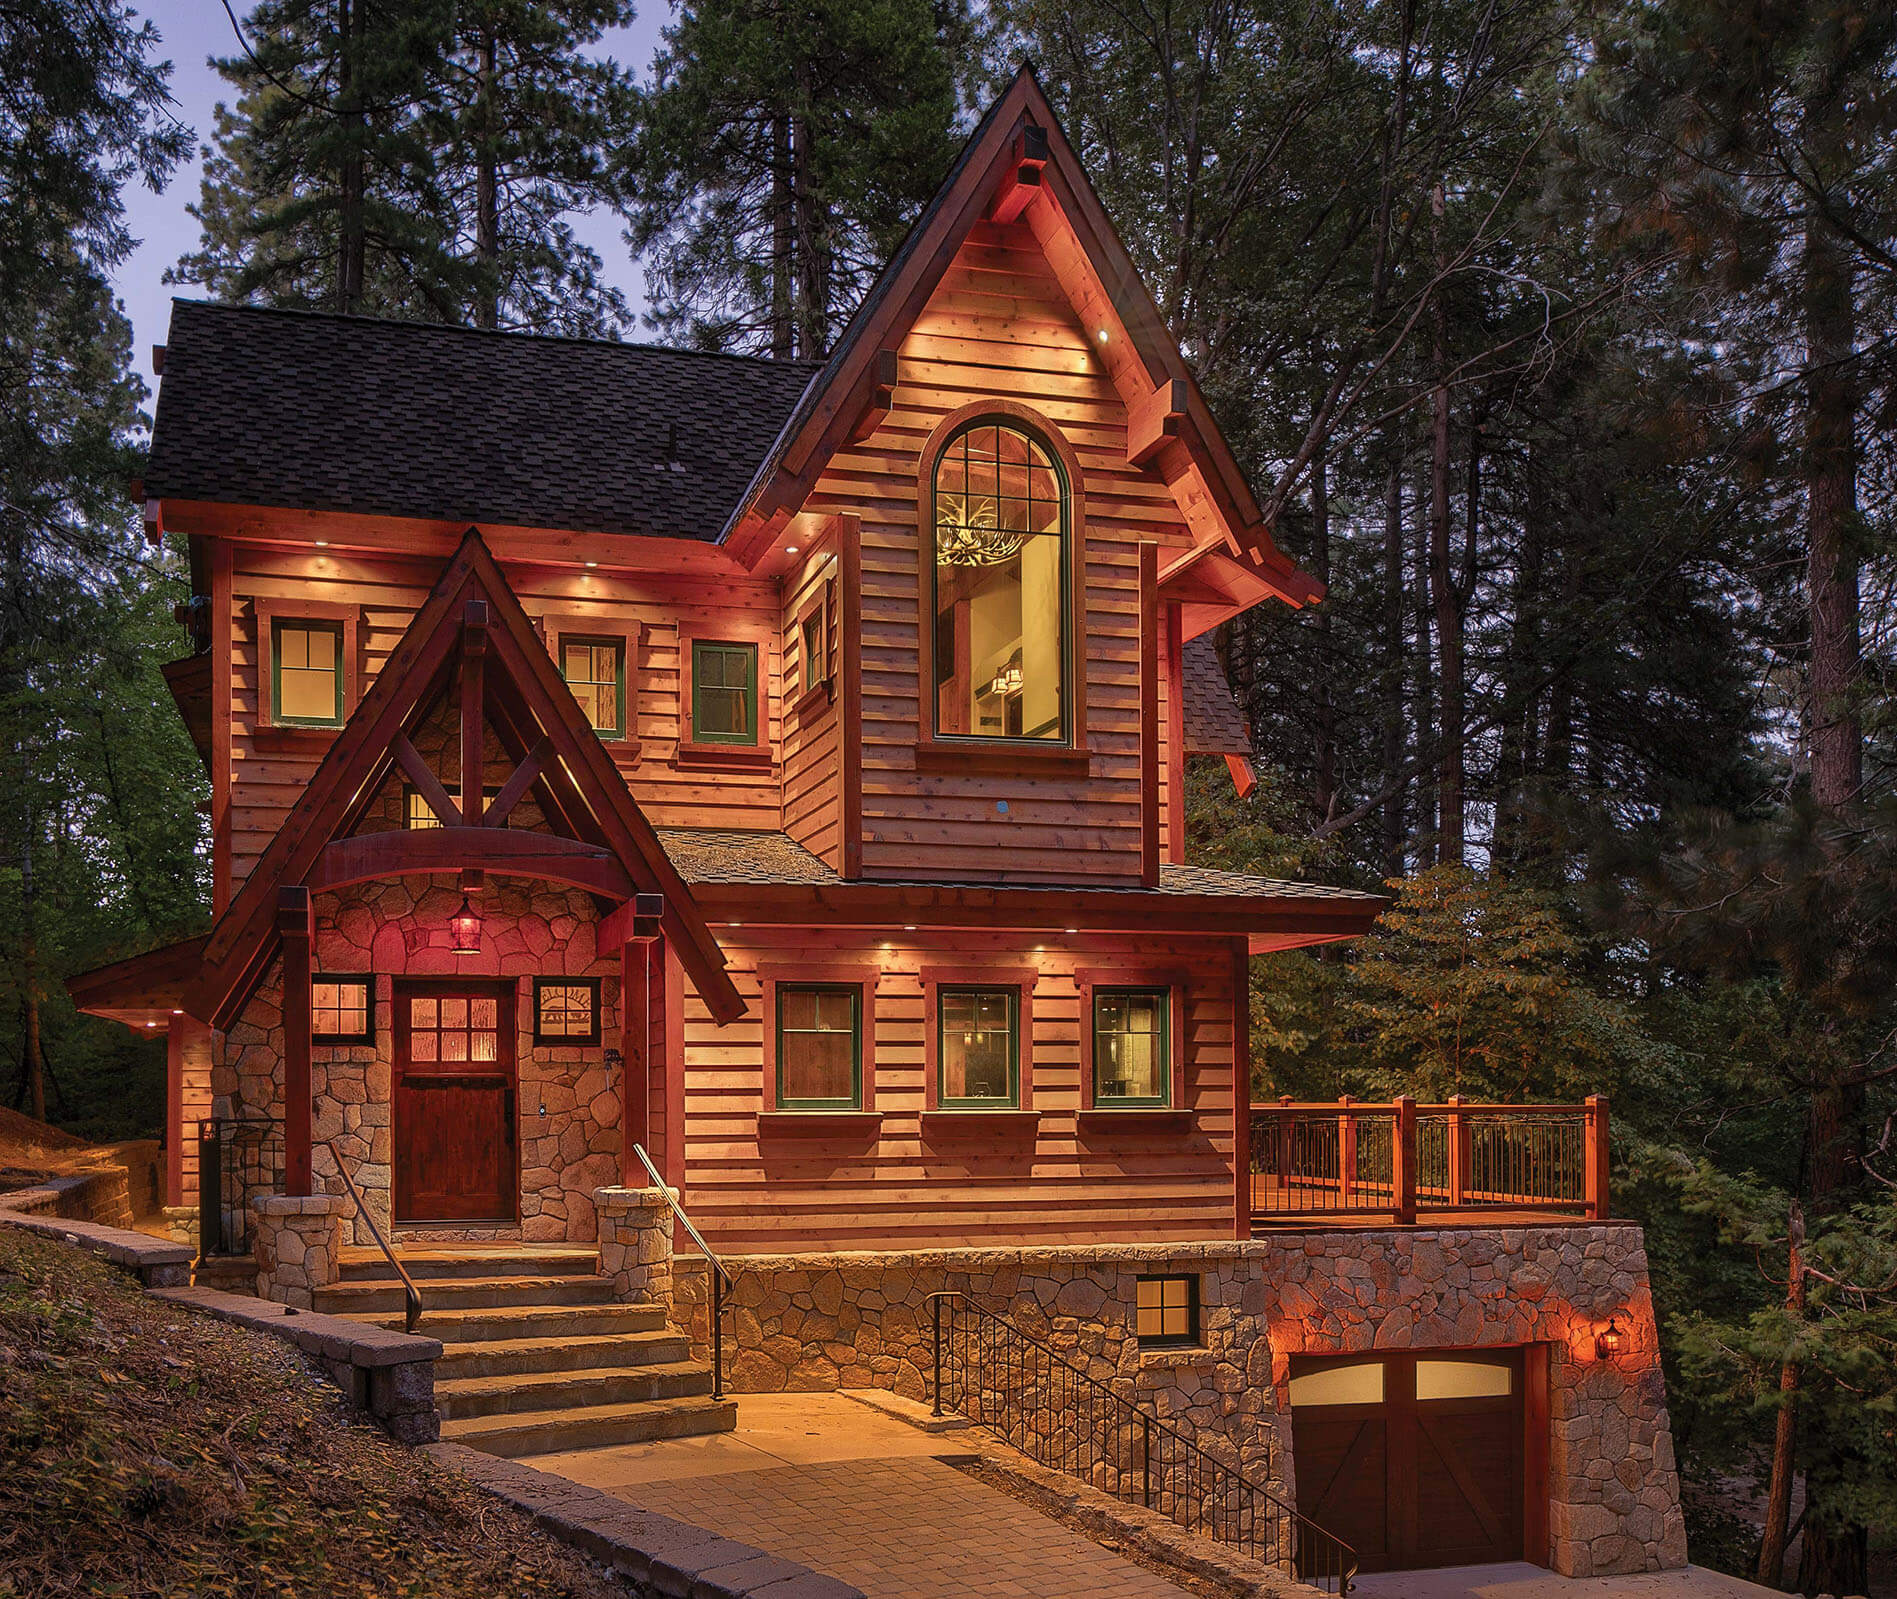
(142, 991)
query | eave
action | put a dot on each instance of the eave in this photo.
(143, 990)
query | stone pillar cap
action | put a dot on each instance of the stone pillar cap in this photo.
(299, 1204)
(632, 1198)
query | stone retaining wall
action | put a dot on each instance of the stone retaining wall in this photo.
(862, 1320)
(102, 1197)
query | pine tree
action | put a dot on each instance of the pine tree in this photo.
(782, 153)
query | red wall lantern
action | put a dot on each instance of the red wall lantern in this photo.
(1607, 1343)
(465, 928)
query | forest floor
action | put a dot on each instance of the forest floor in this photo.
(147, 1450)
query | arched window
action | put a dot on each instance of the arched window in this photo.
(1000, 521)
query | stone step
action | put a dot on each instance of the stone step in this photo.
(568, 1391)
(504, 1357)
(513, 1322)
(593, 1427)
(465, 1293)
(436, 1264)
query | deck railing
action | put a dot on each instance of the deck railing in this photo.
(1361, 1160)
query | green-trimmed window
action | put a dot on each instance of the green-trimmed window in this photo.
(816, 656)
(1132, 1046)
(978, 1048)
(1166, 1311)
(595, 669)
(724, 693)
(306, 673)
(342, 1009)
(819, 1046)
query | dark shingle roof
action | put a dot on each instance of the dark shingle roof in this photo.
(730, 855)
(357, 414)
(1214, 723)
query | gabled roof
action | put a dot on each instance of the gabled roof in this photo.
(306, 411)
(517, 691)
(1214, 725)
(1180, 438)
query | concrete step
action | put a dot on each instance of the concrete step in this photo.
(465, 1293)
(508, 1357)
(595, 1426)
(434, 1265)
(568, 1391)
(512, 1322)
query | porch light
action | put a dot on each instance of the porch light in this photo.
(465, 926)
(1607, 1343)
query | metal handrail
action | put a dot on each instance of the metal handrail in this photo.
(411, 1295)
(720, 1278)
(1171, 1474)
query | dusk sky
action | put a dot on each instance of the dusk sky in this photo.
(195, 30)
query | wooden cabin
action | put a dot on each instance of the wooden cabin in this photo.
(831, 725)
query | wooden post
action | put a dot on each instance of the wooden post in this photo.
(1596, 1136)
(1243, 1190)
(1458, 1153)
(1149, 719)
(473, 726)
(1287, 1153)
(174, 1111)
(294, 926)
(1403, 1161)
(1346, 1154)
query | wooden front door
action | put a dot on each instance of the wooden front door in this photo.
(1414, 1459)
(456, 1153)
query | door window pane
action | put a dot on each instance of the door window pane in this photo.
(454, 1030)
(1132, 1046)
(724, 693)
(306, 672)
(978, 1046)
(595, 671)
(819, 1046)
(1361, 1384)
(1463, 1379)
(1000, 574)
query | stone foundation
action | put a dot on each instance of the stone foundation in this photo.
(863, 1320)
(298, 1244)
(635, 1243)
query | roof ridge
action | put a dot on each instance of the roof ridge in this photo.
(525, 335)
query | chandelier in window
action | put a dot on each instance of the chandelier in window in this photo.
(968, 531)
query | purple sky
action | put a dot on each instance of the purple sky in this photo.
(193, 31)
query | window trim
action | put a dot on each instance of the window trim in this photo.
(630, 635)
(567, 1040)
(368, 1034)
(779, 1099)
(704, 752)
(616, 642)
(271, 611)
(1022, 981)
(977, 754)
(1194, 1335)
(1089, 978)
(813, 698)
(774, 1113)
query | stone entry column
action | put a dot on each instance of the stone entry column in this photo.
(298, 1244)
(635, 1244)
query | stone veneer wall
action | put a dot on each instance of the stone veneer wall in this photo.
(862, 1320)
(399, 928)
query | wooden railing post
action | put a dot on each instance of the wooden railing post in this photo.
(1403, 1161)
(1596, 1157)
(1287, 1153)
(1346, 1154)
(1458, 1142)
(295, 925)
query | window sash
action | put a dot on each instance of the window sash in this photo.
(961, 1010)
(724, 693)
(601, 692)
(566, 1011)
(294, 680)
(342, 1009)
(1166, 1311)
(822, 1028)
(1118, 1045)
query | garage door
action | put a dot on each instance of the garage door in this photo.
(1414, 1459)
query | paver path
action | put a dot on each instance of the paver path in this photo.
(1518, 1581)
(905, 1529)
(847, 1490)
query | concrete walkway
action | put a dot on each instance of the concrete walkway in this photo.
(825, 1480)
(1519, 1581)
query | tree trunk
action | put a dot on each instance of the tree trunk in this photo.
(783, 241)
(1423, 819)
(487, 226)
(1393, 653)
(1446, 602)
(813, 274)
(1778, 1500)
(353, 242)
(1325, 795)
(1831, 513)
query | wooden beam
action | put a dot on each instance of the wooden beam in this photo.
(473, 740)
(1241, 1086)
(1175, 738)
(1021, 186)
(430, 850)
(526, 772)
(633, 922)
(295, 927)
(1156, 420)
(850, 696)
(881, 398)
(1149, 713)
(429, 786)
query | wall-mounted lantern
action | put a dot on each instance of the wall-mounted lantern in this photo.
(465, 928)
(1607, 1342)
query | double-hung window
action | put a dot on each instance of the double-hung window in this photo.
(306, 673)
(819, 1046)
(724, 692)
(595, 669)
(1132, 1047)
(978, 1048)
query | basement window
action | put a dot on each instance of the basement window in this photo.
(1166, 1312)
(566, 1011)
(342, 1009)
